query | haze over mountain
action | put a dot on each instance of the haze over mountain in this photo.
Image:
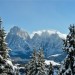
(22, 43)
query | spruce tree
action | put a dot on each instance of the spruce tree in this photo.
(41, 63)
(50, 69)
(36, 66)
(32, 65)
(6, 66)
(68, 65)
(3, 46)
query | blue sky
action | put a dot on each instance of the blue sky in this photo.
(33, 15)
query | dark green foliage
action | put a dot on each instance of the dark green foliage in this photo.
(67, 68)
(5, 67)
(50, 69)
(3, 45)
(37, 66)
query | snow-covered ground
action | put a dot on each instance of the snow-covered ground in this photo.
(55, 55)
(53, 63)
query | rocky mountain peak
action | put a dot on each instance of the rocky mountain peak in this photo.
(19, 32)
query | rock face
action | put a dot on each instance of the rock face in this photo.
(22, 43)
(17, 40)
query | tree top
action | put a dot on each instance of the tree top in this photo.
(0, 22)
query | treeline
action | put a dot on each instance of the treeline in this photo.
(36, 65)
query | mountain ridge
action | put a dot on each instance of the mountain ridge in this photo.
(22, 43)
(39, 32)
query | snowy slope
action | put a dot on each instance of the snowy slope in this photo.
(51, 61)
(22, 43)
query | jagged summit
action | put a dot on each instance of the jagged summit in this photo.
(19, 32)
(15, 29)
(17, 39)
(48, 33)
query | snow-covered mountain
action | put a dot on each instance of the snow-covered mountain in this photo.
(17, 40)
(22, 43)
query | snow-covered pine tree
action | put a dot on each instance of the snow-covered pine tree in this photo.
(50, 69)
(6, 66)
(3, 45)
(68, 65)
(36, 66)
(32, 65)
(41, 63)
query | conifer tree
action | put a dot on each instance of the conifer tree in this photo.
(36, 65)
(3, 45)
(50, 69)
(32, 65)
(68, 65)
(41, 63)
(6, 66)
